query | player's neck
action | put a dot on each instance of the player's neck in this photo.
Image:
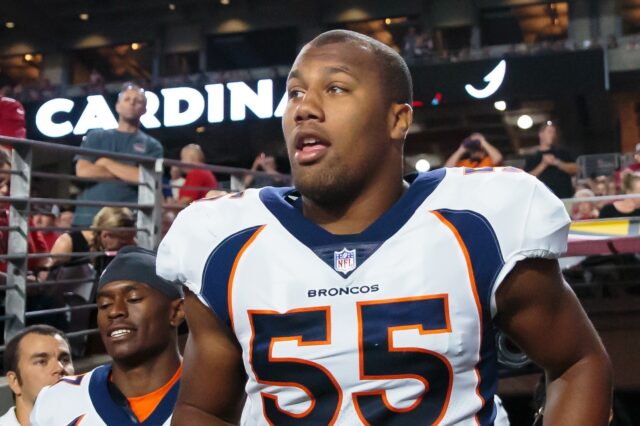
(142, 379)
(128, 126)
(23, 410)
(360, 212)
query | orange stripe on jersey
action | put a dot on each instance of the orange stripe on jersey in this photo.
(463, 248)
(233, 273)
(143, 406)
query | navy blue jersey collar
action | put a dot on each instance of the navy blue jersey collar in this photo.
(113, 414)
(325, 244)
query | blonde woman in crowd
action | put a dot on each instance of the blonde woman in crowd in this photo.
(106, 234)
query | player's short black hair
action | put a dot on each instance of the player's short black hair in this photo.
(393, 69)
(11, 354)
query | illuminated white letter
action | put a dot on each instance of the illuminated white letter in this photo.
(172, 97)
(149, 119)
(44, 118)
(281, 106)
(494, 80)
(215, 102)
(96, 115)
(243, 97)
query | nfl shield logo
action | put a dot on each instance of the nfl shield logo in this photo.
(344, 260)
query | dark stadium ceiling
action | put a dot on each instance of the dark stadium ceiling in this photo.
(64, 15)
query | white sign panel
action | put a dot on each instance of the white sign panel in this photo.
(181, 106)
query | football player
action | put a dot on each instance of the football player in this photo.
(359, 297)
(138, 317)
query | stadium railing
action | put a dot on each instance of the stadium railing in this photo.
(19, 204)
(587, 238)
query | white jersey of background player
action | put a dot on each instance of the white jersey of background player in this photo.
(363, 300)
(391, 326)
(85, 400)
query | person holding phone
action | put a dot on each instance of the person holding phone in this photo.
(475, 152)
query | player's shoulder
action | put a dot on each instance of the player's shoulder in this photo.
(490, 175)
(68, 384)
(62, 400)
(495, 192)
(222, 213)
(502, 185)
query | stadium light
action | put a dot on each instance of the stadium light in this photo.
(422, 165)
(84, 16)
(500, 105)
(10, 24)
(525, 122)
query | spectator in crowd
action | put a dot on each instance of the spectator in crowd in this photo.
(410, 45)
(96, 83)
(631, 168)
(198, 181)
(65, 218)
(127, 138)
(475, 151)
(35, 240)
(264, 163)
(138, 317)
(601, 186)
(629, 207)
(585, 209)
(106, 234)
(553, 166)
(45, 217)
(36, 357)
(12, 121)
(176, 181)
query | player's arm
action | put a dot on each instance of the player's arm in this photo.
(568, 167)
(455, 157)
(493, 152)
(213, 379)
(120, 170)
(85, 168)
(539, 311)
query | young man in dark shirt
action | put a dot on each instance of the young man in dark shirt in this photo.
(553, 166)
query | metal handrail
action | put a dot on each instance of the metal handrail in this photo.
(61, 176)
(57, 147)
(42, 312)
(76, 202)
(90, 254)
(601, 198)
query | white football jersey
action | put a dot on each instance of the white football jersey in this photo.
(85, 400)
(392, 326)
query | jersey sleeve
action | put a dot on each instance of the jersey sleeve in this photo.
(183, 251)
(542, 234)
(38, 415)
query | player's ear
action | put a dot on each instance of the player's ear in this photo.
(401, 117)
(177, 312)
(14, 383)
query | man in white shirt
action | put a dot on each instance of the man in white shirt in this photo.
(36, 357)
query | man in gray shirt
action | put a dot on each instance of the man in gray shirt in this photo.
(127, 138)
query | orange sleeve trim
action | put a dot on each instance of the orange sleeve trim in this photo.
(143, 406)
